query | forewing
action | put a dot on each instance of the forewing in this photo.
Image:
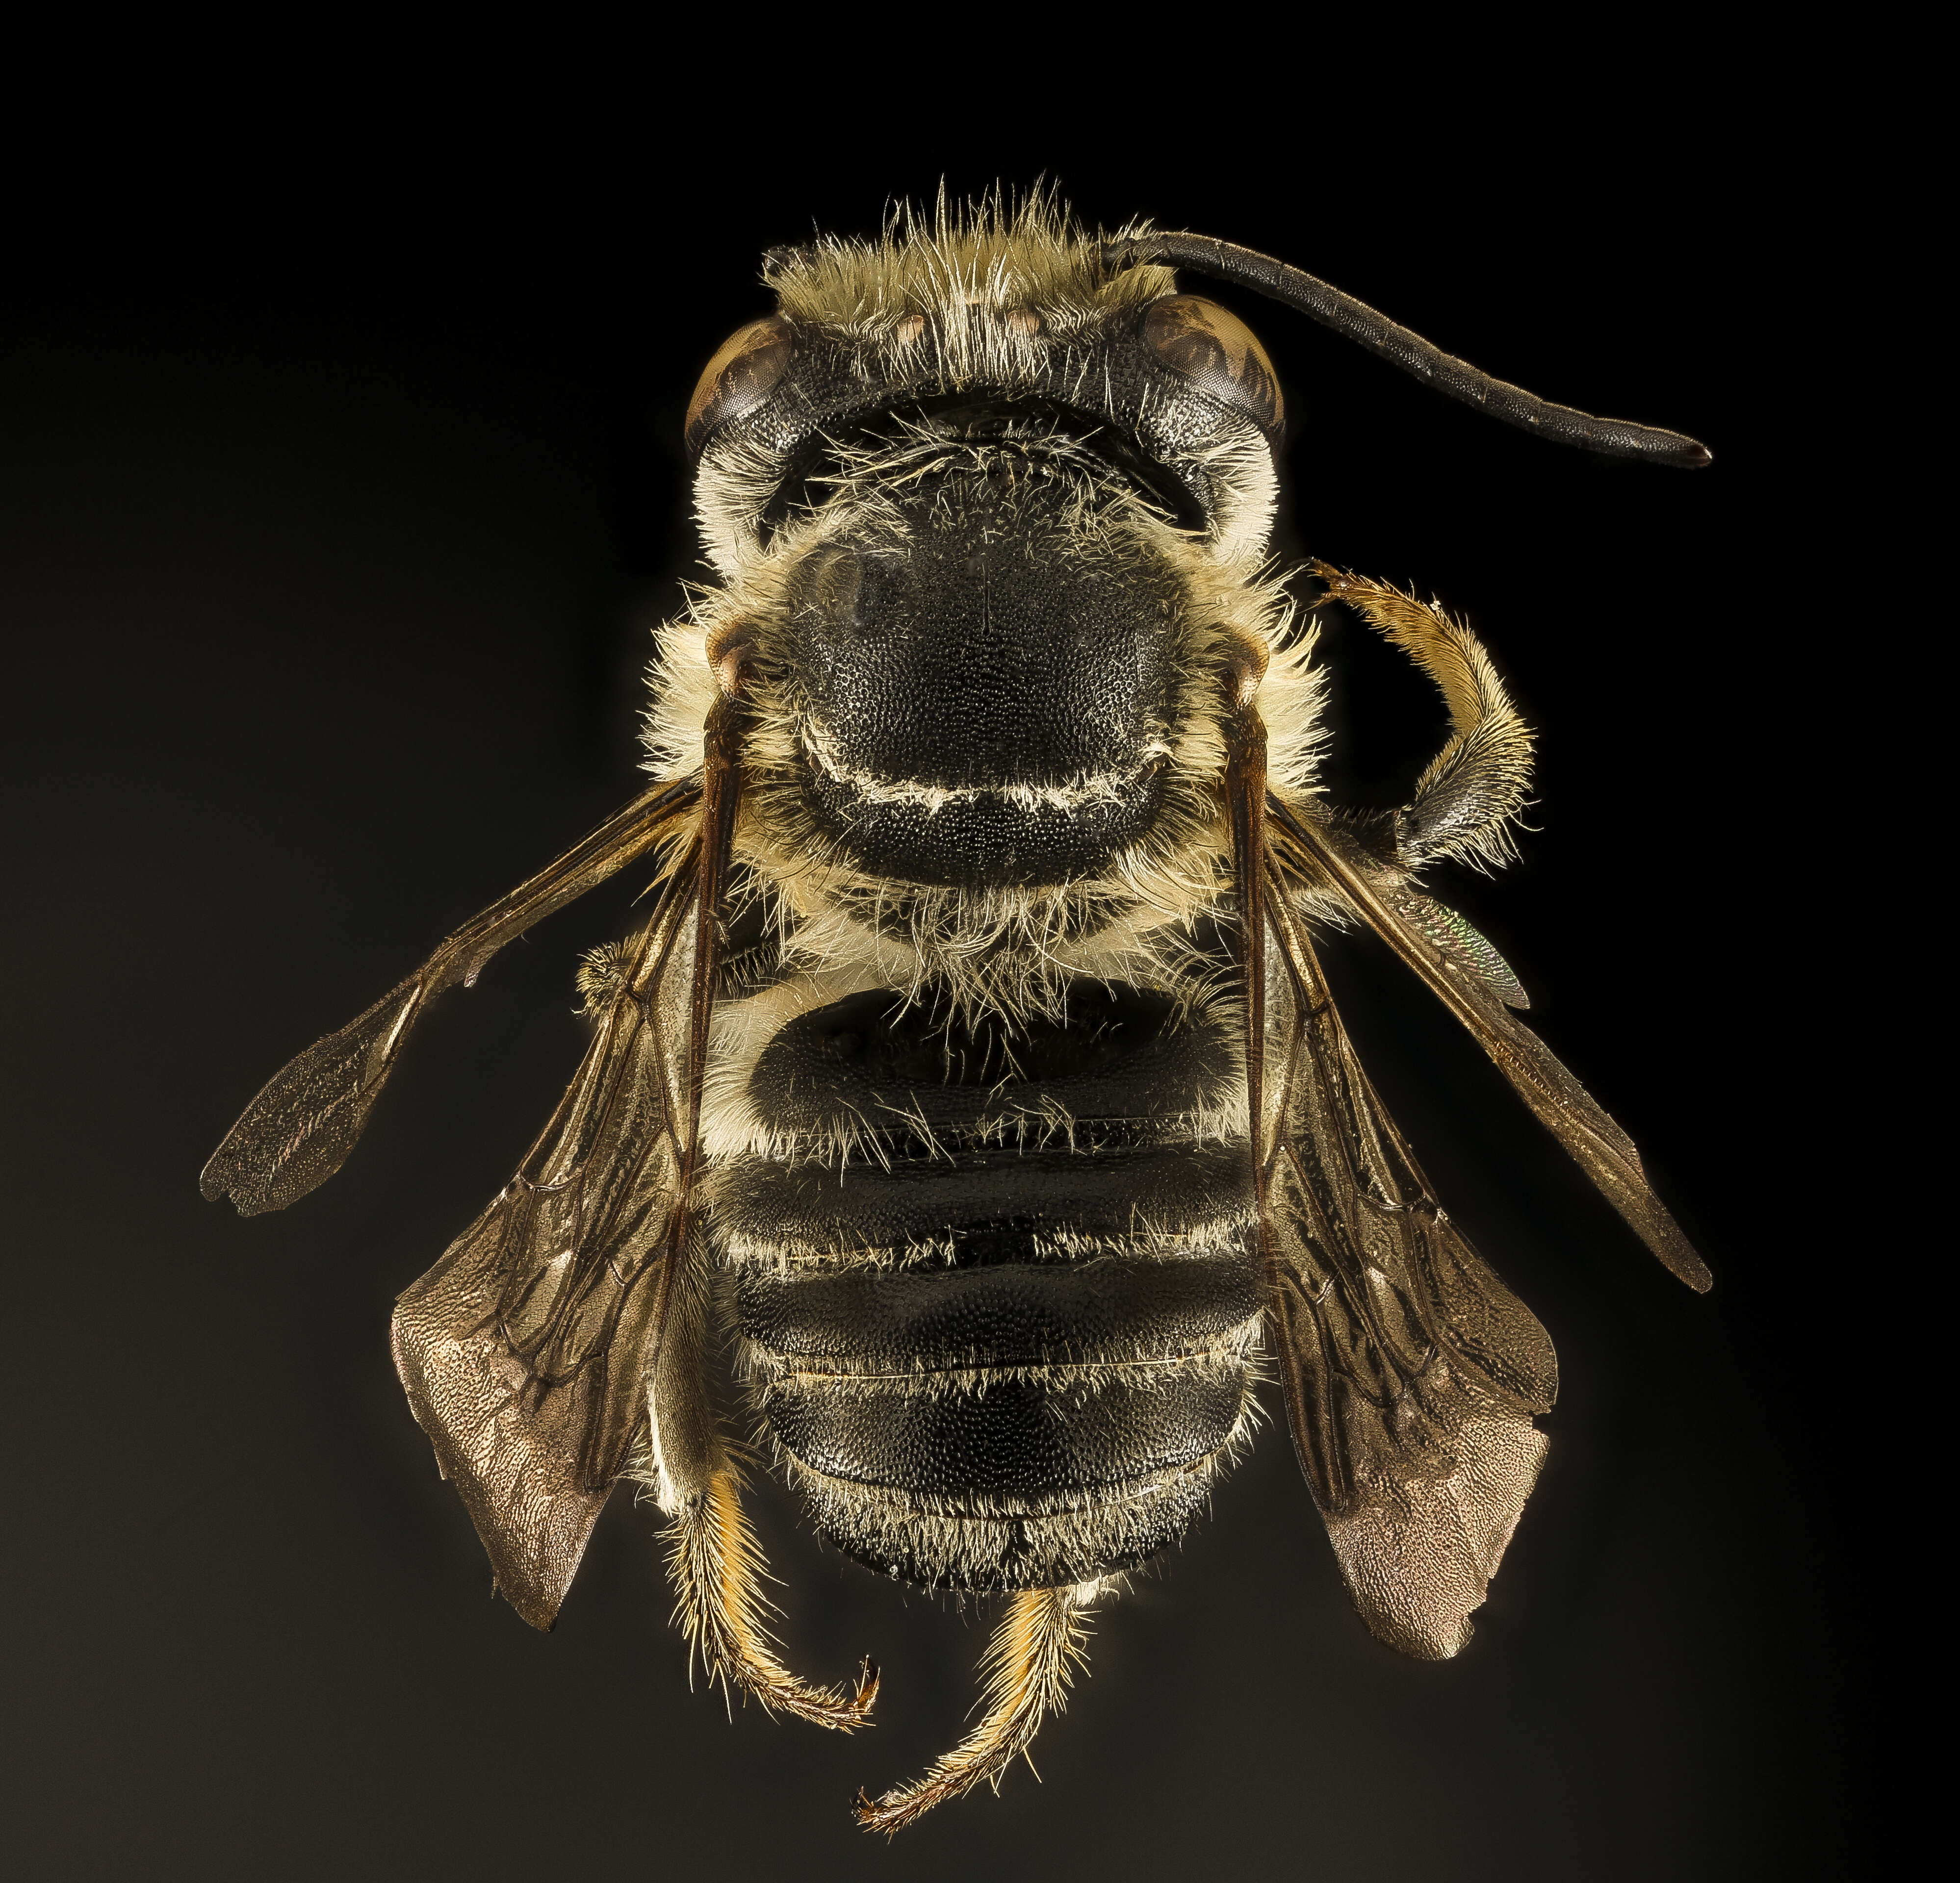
(298, 1131)
(1410, 1372)
(525, 1351)
(1315, 858)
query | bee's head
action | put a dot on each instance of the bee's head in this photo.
(1024, 312)
(976, 499)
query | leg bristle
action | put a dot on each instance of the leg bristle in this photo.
(717, 1570)
(1029, 1666)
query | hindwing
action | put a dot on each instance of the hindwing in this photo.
(1410, 1372)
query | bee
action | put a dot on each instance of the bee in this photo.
(973, 1077)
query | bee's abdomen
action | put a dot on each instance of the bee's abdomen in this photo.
(989, 1363)
(1012, 1424)
(1023, 1446)
(873, 1322)
(1028, 1386)
(978, 1206)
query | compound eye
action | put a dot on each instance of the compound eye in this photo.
(1215, 350)
(739, 377)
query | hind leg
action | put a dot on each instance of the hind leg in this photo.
(1029, 1664)
(714, 1561)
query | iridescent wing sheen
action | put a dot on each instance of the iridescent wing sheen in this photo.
(525, 1351)
(298, 1131)
(1454, 940)
(1411, 1373)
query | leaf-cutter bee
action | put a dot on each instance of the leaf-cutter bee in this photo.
(974, 1075)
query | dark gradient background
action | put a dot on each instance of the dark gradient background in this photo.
(331, 538)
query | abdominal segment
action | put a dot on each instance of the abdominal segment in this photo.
(1007, 1340)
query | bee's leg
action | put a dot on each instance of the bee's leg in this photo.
(1465, 802)
(717, 1570)
(1029, 1666)
(716, 1564)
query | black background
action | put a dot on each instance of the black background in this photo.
(334, 520)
